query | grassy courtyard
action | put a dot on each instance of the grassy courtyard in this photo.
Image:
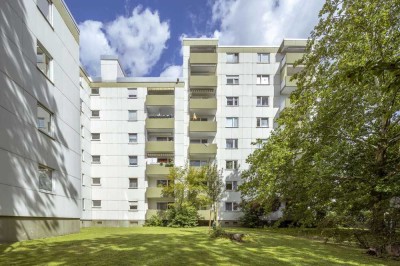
(171, 246)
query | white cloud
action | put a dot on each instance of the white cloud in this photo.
(138, 40)
(250, 22)
(172, 71)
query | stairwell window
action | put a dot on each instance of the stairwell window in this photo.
(263, 58)
(96, 181)
(45, 178)
(232, 122)
(95, 114)
(132, 115)
(44, 120)
(96, 159)
(132, 137)
(46, 8)
(44, 61)
(232, 58)
(133, 205)
(262, 79)
(96, 203)
(95, 136)
(262, 121)
(232, 79)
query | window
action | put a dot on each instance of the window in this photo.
(44, 119)
(232, 58)
(262, 100)
(132, 137)
(262, 79)
(44, 61)
(83, 204)
(232, 101)
(132, 160)
(231, 143)
(263, 58)
(95, 136)
(232, 206)
(133, 205)
(95, 114)
(133, 183)
(231, 185)
(96, 203)
(232, 122)
(198, 163)
(261, 143)
(82, 132)
(132, 115)
(83, 155)
(232, 165)
(163, 183)
(45, 178)
(162, 206)
(232, 79)
(95, 91)
(262, 122)
(132, 93)
(96, 181)
(45, 8)
(96, 159)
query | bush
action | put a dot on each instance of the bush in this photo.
(186, 216)
(155, 220)
(252, 215)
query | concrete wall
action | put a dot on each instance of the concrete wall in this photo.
(22, 146)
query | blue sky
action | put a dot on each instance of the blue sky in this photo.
(146, 34)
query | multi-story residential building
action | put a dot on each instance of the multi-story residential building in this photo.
(40, 147)
(99, 149)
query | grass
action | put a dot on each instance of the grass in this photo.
(175, 246)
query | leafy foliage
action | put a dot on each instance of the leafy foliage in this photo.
(335, 157)
(155, 220)
(185, 216)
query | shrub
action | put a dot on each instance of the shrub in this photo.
(155, 220)
(185, 216)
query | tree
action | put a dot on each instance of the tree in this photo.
(335, 157)
(213, 190)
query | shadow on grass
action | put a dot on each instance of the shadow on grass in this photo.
(167, 246)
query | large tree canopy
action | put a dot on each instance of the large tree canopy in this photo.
(335, 156)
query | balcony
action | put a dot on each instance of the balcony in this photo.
(160, 100)
(290, 58)
(203, 81)
(202, 150)
(198, 105)
(288, 85)
(160, 124)
(156, 149)
(202, 128)
(203, 58)
(154, 192)
(157, 170)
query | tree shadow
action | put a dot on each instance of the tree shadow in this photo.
(22, 146)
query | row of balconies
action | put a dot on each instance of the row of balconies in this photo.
(168, 124)
(195, 150)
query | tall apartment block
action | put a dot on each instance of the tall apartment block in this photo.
(40, 147)
(96, 151)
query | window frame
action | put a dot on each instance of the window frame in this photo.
(132, 157)
(132, 96)
(132, 112)
(92, 116)
(96, 183)
(48, 61)
(96, 162)
(96, 205)
(48, 17)
(50, 131)
(234, 185)
(235, 99)
(259, 123)
(234, 56)
(129, 138)
(95, 139)
(40, 169)
(261, 101)
(234, 206)
(137, 183)
(234, 78)
(259, 80)
(234, 125)
(235, 144)
(133, 203)
(259, 58)
(235, 165)
(95, 94)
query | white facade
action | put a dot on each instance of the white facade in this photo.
(40, 179)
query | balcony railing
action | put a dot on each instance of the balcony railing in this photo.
(203, 58)
(202, 126)
(160, 100)
(203, 81)
(207, 150)
(210, 103)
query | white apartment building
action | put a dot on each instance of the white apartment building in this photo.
(40, 147)
(99, 149)
(227, 99)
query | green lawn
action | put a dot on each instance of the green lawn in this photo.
(170, 246)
